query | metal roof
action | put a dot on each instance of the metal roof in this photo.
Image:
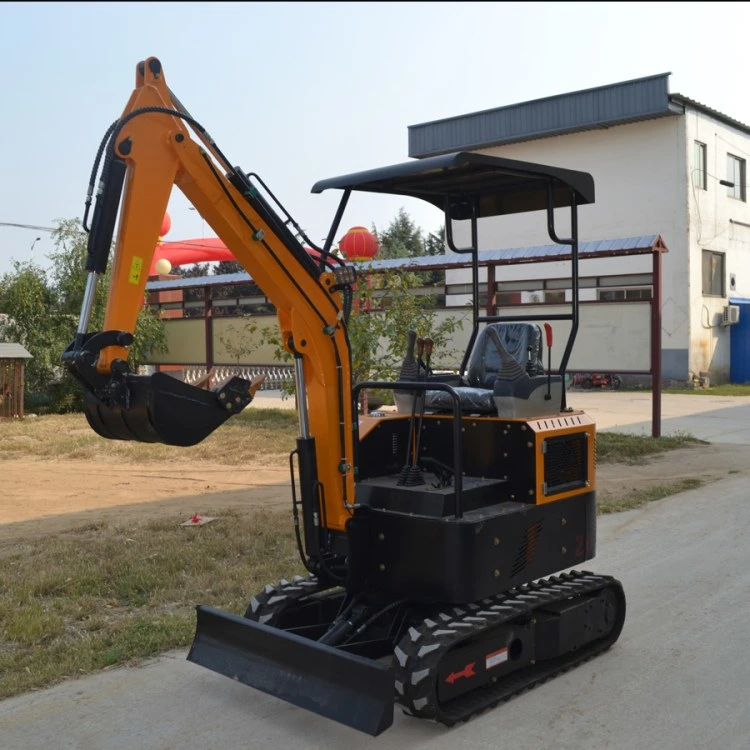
(13, 351)
(534, 254)
(590, 109)
(642, 245)
(600, 107)
(684, 100)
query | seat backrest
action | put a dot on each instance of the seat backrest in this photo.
(519, 351)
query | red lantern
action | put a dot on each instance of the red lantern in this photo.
(359, 244)
(166, 224)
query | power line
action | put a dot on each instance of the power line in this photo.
(27, 226)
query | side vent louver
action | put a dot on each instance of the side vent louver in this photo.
(527, 549)
(565, 463)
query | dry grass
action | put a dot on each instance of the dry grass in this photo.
(265, 433)
(108, 594)
(638, 498)
(619, 447)
(112, 594)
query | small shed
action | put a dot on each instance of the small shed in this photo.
(12, 360)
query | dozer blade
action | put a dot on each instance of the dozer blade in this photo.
(345, 687)
(162, 409)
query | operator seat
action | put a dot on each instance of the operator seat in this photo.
(505, 376)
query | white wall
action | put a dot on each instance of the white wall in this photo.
(640, 174)
(612, 336)
(711, 229)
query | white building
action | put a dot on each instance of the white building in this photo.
(664, 165)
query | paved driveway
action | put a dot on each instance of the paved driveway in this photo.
(716, 419)
(678, 678)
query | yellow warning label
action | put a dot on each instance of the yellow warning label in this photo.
(135, 270)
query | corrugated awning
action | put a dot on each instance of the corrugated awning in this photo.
(534, 254)
(643, 245)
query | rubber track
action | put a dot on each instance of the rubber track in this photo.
(266, 606)
(420, 651)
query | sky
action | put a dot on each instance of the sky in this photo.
(299, 92)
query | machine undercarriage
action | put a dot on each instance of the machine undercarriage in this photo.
(450, 663)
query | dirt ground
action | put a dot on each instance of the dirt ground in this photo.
(41, 497)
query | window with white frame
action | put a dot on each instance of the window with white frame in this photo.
(736, 177)
(699, 166)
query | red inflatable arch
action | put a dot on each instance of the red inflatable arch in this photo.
(189, 251)
(358, 243)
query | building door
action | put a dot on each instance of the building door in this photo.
(739, 342)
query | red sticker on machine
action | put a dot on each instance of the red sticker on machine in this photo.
(466, 672)
(495, 658)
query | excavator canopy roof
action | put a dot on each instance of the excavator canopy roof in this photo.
(494, 185)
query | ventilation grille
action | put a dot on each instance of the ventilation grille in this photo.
(527, 550)
(556, 423)
(565, 463)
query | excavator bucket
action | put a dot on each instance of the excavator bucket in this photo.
(342, 686)
(161, 409)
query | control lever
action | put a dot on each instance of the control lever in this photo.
(548, 332)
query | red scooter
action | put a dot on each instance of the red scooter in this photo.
(597, 380)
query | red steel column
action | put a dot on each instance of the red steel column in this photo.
(656, 348)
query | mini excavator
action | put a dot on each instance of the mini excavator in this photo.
(442, 540)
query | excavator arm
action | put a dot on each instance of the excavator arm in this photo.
(146, 152)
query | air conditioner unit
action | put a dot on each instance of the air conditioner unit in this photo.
(730, 315)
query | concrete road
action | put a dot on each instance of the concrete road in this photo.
(716, 419)
(678, 678)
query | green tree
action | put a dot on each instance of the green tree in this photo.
(239, 340)
(194, 271)
(228, 266)
(68, 276)
(386, 309)
(42, 310)
(26, 299)
(402, 238)
(434, 245)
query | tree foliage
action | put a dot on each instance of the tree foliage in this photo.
(385, 307)
(26, 300)
(41, 311)
(228, 266)
(402, 238)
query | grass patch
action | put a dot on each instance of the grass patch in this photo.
(729, 389)
(618, 447)
(638, 498)
(114, 594)
(253, 434)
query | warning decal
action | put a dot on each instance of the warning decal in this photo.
(495, 658)
(135, 270)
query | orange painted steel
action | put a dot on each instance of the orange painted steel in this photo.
(160, 153)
